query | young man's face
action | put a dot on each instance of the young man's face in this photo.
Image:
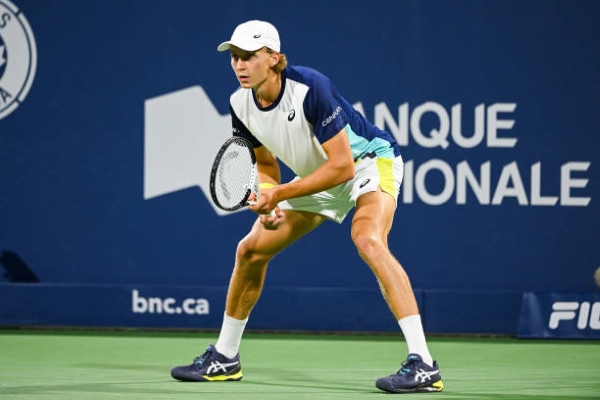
(251, 67)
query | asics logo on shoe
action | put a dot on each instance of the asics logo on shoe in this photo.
(216, 366)
(425, 376)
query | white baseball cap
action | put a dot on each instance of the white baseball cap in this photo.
(253, 35)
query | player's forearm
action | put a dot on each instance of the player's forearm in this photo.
(323, 178)
(269, 172)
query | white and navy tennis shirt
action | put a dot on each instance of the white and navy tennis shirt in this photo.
(307, 112)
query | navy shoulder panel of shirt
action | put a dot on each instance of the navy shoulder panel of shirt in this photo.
(322, 107)
(329, 112)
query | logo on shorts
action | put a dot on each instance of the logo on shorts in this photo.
(364, 183)
(18, 57)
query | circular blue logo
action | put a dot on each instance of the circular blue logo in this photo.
(18, 57)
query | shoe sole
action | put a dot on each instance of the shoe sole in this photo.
(207, 378)
(430, 387)
(221, 378)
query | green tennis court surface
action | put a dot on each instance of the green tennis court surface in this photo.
(135, 365)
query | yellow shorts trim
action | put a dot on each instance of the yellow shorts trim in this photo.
(386, 176)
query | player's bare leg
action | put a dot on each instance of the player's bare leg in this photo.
(253, 255)
(371, 225)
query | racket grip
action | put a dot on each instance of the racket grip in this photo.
(271, 214)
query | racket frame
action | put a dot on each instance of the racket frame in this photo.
(215, 168)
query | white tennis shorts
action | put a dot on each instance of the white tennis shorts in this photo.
(337, 202)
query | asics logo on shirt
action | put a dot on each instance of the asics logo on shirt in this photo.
(256, 36)
(364, 183)
(425, 376)
(217, 366)
(291, 115)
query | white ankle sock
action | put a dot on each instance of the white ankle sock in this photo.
(230, 336)
(412, 328)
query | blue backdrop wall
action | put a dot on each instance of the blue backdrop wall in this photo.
(109, 111)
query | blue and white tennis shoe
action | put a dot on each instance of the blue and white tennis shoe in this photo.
(413, 377)
(210, 366)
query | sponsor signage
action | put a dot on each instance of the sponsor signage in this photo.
(560, 315)
(18, 57)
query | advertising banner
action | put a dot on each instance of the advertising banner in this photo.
(192, 307)
(111, 114)
(560, 316)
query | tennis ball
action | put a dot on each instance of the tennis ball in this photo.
(597, 277)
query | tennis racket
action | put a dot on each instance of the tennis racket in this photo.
(233, 174)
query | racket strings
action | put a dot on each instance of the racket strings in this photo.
(234, 175)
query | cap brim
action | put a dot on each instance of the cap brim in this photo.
(244, 46)
(224, 46)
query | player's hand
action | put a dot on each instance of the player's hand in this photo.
(270, 216)
(264, 203)
(273, 220)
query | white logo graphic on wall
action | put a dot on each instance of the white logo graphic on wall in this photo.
(183, 131)
(18, 57)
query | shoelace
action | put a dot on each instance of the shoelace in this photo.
(200, 359)
(407, 366)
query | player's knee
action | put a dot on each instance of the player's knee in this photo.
(247, 254)
(368, 244)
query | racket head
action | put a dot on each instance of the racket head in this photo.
(233, 174)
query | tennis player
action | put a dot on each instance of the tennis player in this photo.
(296, 115)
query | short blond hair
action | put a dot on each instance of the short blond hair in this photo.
(283, 62)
